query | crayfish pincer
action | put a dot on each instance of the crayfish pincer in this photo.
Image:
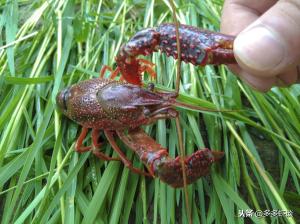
(198, 46)
(120, 108)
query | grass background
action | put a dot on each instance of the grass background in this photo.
(46, 45)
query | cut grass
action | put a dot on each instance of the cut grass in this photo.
(42, 180)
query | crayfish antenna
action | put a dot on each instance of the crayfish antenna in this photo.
(199, 108)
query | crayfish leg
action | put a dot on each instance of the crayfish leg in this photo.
(113, 73)
(146, 62)
(104, 69)
(146, 66)
(123, 157)
(95, 134)
(95, 146)
(78, 146)
(104, 157)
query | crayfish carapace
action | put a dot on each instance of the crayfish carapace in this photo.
(120, 108)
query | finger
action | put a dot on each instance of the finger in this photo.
(285, 79)
(261, 84)
(288, 78)
(235, 69)
(238, 14)
(269, 45)
(298, 74)
(257, 83)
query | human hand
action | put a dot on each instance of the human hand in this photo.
(267, 46)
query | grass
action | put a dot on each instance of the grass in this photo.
(47, 45)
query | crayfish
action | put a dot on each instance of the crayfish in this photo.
(199, 47)
(121, 108)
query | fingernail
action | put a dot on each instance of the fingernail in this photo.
(259, 49)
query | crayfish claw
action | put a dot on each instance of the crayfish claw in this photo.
(218, 155)
(167, 169)
(195, 166)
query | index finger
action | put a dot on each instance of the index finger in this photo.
(238, 14)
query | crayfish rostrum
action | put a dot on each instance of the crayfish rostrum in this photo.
(121, 108)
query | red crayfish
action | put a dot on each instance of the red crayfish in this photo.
(199, 47)
(121, 108)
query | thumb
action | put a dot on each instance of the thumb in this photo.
(271, 44)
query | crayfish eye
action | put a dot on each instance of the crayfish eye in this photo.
(146, 111)
(66, 93)
(150, 87)
(62, 98)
